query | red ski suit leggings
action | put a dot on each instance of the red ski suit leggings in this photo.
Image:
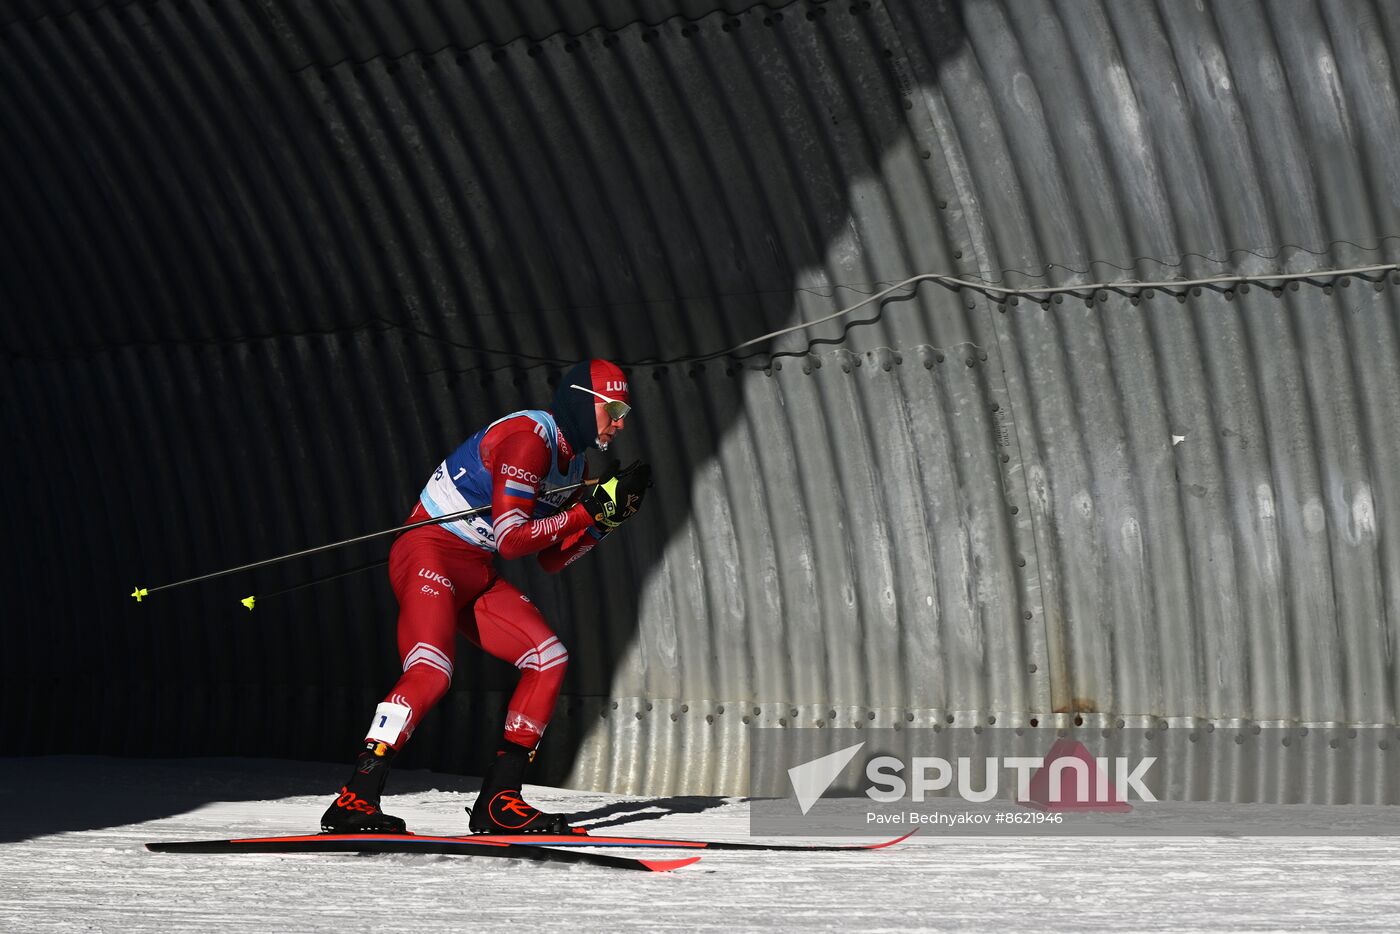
(445, 586)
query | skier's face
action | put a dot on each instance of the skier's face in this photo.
(608, 414)
(608, 427)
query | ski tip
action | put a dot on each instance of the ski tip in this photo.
(666, 865)
(881, 846)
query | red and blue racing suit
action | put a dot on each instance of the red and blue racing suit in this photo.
(446, 581)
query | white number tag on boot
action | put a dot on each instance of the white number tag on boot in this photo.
(389, 722)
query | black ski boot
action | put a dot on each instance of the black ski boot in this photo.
(501, 809)
(357, 808)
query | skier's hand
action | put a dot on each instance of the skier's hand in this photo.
(618, 496)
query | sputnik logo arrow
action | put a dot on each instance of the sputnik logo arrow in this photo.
(810, 780)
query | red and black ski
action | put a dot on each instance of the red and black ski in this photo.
(559, 848)
(580, 838)
(417, 843)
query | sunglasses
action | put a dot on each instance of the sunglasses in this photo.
(612, 408)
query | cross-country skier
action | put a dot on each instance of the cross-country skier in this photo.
(446, 582)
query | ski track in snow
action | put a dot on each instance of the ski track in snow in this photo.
(73, 859)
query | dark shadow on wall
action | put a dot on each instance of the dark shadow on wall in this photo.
(248, 328)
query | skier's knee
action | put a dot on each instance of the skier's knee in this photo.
(548, 656)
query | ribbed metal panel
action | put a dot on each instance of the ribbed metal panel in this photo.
(1216, 141)
(271, 260)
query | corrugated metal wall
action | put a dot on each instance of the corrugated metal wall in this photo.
(269, 261)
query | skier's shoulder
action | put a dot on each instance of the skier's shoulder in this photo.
(519, 439)
(518, 425)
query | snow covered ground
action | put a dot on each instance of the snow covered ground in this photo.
(72, 859)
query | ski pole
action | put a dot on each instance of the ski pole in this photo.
(252, 599)
(141, 592)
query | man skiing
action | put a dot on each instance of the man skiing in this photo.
(446, 582)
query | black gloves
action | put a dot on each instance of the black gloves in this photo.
(617, 497)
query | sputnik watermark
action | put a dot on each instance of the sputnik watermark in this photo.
(1196, 780)
(888, 784)
(934, 774)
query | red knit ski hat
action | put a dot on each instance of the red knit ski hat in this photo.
(608, 380)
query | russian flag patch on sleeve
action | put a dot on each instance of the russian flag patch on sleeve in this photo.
(515, 488)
